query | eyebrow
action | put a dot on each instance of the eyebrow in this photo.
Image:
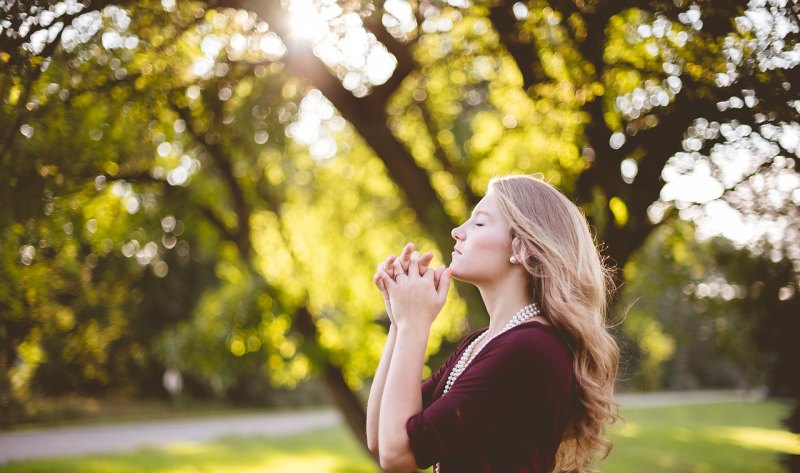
(476, 212)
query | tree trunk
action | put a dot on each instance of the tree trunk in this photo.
(351, 407)
(10, 409)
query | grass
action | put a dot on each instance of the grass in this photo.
(332, 450)
(730, 437)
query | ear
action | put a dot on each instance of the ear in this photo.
(518, 250)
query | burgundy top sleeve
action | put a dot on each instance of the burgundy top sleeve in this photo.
(506, 412)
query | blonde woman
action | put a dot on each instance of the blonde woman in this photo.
(533, 391)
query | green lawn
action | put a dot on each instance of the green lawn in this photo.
(726, 437)
(332, 451)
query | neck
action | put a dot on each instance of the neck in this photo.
(503, 301)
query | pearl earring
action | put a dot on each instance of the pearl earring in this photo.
(513, 259)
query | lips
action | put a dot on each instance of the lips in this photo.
(456, 250)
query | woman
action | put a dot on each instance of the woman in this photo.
(533, 392)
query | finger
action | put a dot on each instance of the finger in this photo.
(406, 253)
(388, 264)
(444, 285)
(377, 277)
(388, 284)
(425, 261)
(413, 265)
(398, 271)
(378, 280)
(428, 276)
(437, 275)
(405, 256)
(388, 279)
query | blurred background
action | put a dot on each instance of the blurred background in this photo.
(195, 195)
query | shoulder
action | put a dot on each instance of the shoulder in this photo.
(532, 343)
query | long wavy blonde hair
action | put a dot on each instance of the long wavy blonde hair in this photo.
(551, 239)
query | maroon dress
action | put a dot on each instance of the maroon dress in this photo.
(506, 412)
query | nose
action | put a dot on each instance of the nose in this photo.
(456, 233)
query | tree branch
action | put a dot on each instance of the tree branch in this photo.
(438, 152)
(367, 115)
(211, 215)
(524, 52)
(401, 51)
(223, 165)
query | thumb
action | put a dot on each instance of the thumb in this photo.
(444, 284)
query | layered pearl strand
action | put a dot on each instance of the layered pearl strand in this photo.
(525, 314)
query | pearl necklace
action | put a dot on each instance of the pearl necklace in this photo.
(524, 315)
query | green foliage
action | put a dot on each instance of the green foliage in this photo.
(769, 309)
(713, 315)
(187, 175)
(167, 203)
(683, 337)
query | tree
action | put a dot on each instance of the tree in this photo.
(691, 324)
(611, 93)
(771, 307)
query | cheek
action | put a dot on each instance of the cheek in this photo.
(493, 246)
(488, 255)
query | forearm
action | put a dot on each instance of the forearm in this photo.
(376, 390)
(402, 398)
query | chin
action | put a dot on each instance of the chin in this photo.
(455, 273)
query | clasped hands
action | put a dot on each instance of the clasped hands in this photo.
(414, 293)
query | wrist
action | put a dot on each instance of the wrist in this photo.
(413, 329)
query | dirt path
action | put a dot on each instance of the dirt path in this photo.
(81, 440)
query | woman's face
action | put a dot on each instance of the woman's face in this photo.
(483, 244)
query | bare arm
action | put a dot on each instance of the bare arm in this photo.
(402, 392)
(416, 301)
(376, 390)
